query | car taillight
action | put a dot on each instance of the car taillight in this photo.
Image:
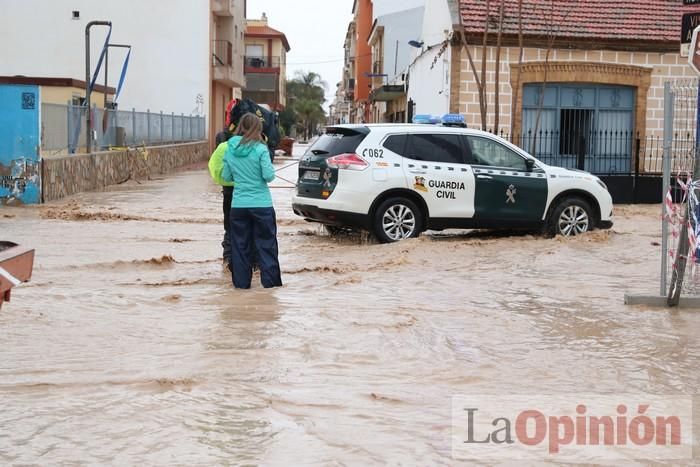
(349, 161)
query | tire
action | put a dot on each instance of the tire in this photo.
(572, 216)
(397, 219)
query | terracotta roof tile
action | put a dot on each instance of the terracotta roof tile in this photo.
(644, 20)
(267, 31)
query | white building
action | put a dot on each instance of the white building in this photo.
(175, 45)
(429, 77)
(387, 7)
(389, 39)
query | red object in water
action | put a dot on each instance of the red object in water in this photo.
(286, 145)
(16, 265)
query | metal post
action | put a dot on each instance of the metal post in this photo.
(148, 126)
(182, 127)
(92, 132)
(106, 72)
(133, 125)
(69, 128)
(172, 124)
(637, 149)
(115, 125)
(668, 141)
(88, 90)
(161, 127)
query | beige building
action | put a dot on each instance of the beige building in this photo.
(589, 92)
(266, 64)
(227, 34)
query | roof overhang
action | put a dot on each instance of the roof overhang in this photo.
(55, 82)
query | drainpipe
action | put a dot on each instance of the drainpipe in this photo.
(88, 131)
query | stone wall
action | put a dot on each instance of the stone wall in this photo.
(70, 174)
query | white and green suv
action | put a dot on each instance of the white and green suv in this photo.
(397, 180)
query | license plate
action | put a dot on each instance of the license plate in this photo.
(311, 175)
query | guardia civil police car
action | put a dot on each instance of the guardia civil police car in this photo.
(398, 180)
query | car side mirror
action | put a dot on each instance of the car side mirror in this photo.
(530, 164)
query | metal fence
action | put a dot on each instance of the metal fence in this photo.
(63, 128)
(599, 152)
(680, 146)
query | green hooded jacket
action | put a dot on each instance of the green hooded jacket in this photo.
(216, 164)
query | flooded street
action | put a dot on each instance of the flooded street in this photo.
(131, 347)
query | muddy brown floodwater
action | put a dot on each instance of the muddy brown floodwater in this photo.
(130, 346)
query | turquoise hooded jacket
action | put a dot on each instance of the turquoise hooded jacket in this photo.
(250, 168)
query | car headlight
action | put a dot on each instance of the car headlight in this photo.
(602, 184)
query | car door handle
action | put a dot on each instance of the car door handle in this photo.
(485, 177)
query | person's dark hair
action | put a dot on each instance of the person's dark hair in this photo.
(250, 128)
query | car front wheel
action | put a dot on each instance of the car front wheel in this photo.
(571, 217)
(397, 219)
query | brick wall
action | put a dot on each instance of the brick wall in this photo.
(70, 174)
(663, 66)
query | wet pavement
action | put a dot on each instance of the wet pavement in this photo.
(130, 346)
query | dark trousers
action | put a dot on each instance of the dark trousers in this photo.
(226, 243)
(254, 234)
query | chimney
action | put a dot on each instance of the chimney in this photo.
(264, 18)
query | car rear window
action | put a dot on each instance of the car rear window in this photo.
(337, 141)
(396, 143)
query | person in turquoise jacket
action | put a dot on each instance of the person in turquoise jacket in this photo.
(247, 164)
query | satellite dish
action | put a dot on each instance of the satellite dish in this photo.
(416, 44)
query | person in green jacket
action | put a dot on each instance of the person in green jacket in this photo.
(253, 220)
(216, 165)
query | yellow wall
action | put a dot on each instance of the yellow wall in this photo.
(62, 95)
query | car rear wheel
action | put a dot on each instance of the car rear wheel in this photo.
(397, 219)
(572, 216)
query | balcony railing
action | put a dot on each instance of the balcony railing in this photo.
(223, 53)
(262, 62)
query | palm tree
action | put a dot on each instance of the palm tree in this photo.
(306, 95)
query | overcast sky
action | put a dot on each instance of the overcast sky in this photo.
(315, 30)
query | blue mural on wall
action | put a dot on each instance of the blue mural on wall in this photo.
(20, 169)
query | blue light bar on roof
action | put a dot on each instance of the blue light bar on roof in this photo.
(426, 119)
(453, 119)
